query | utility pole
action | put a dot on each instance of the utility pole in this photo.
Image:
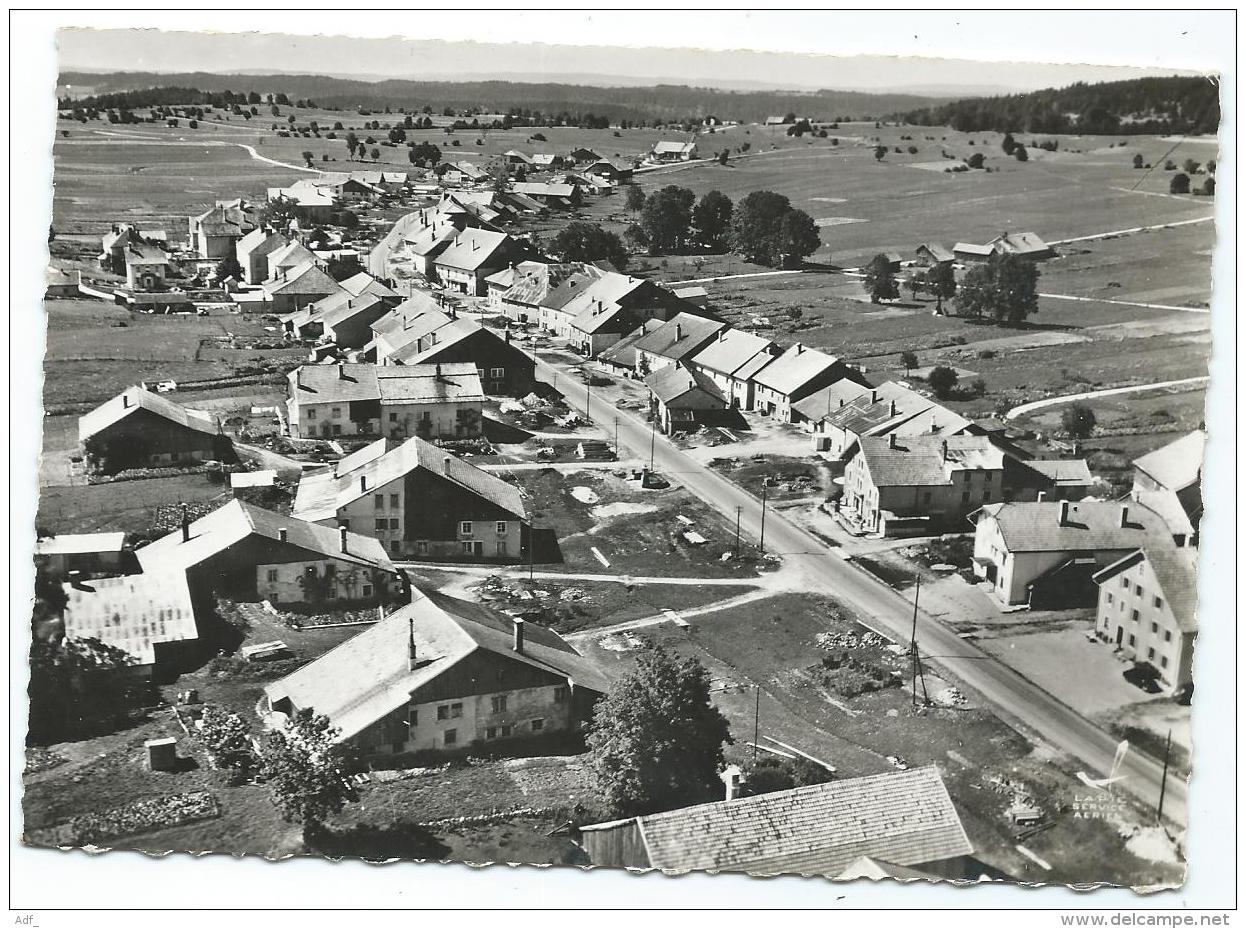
(916, 657)
(531, 552)
(738, 511)
(1163, 783)
(761, 541)
(653, 440)
(756, 722)
(588, 397)
(616, 437)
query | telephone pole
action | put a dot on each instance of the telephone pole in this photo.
(761, 541)
(756, 721)
(738, 511)
(531, 552)
(616, 437)
(916, 661)
(1163, 783)
(653, 440)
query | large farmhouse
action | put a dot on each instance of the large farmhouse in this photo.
(140, 429)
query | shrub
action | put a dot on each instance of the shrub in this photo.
(942, 381)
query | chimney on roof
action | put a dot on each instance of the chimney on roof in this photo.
(891, 440)
(1042, 496)
(341, 371)
(679, 331)
(125, 401)
(731, 781)
(438, 369)
(185, 524)
(283, 534)
(873, 396)
(893, 408)
(411, 654)
(518, 637)
(799, 347)
(1064, 512)
(943, 447)
(363, 482)
(445, 465)
(341, 531)
(1124, 517)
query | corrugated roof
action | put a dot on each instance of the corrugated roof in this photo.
(904, 817)
(795, 368)
(1092, 525)
(1178, 464)
(321, 495)
(733, 350)
(134, 613)
(133, 399)
(369, 676)
(225, 527)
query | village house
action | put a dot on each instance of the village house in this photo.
(610, 307)
(1148, 609)
(1169, 481)
(87, 553)
(731, 360)
(933, 254)
(312, 205)
(113, 245)
(516, 291)
(252, 252)
(548, 161)
(472, 256)
(141, 429)
(420, 501)
(1023, 244)
(620, 358)
(1044, 554)
(343, 318)
(900, 819)
(794, 375)
(146, 267)
(215, 233)
(297, 288)
(352, 400)
(514, 159)
(559, 196)
(284, 259)
(444, 675)
(150, 617)
(59, 285)
(244, 553)
(683, 399)
(664, 152)
(583, 156)
(404, 326)
(839, 415)
(610, 171)
(678, 339)
(917, 484)
(503, 368)
(463, 172)
(557, 291)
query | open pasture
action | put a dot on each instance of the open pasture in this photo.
(898, 202)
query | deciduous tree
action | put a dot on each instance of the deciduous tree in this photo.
(712, 219)
(1078, 421)
(942, 381)
(307, 770)
(880, 281)
(657, 739)
(580, 241)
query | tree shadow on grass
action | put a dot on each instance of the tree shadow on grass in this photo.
(379, 843)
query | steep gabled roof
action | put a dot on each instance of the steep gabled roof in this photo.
(450, 382)
(363, 282)
(134, 399)
(680, 336)
(904, 817)
(795, 368)
(473, 248)
(321, 495)
(733, 350)
(623, 352)
(236, 521)
(671, 382)
(1092, 525)
(371, 675)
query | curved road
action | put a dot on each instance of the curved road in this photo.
(1107, 392)
(890, 613)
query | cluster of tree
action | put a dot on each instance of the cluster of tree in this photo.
(768, 230)
(78, 687)
(1004, 289)
(1144, 106)
(547, 104)
(673, 221)
(588, 242)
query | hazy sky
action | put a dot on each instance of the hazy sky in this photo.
(509, 45)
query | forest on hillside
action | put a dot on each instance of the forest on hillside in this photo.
(663, 103)
(1149, 105)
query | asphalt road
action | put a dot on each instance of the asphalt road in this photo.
(1016, 699)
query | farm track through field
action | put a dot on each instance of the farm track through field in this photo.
(250, 150)
(1106, 392)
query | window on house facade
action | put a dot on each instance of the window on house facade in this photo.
(367, 590)
(501, 528)
(964, 497)
(1150, 654)
(1133, 615)
(1138, 589)
(1133, 640)
(1154, 627)
(272, 575)
(382, 524)
(498, 703)
(337, 430)
(538, 725)
(451, 736)
(421, 548)
(311, 413)
(337, 412)
(560, 694)
(378, 501)
(465, 527)
(1125, 583)
(491, 732)
(393, 522)
(1159, 603)
(393, 501)
(986, 495)
(506, 732)
(1167, 635)
(497, 373)
(393, 417)
(413, 717)
(1110, 600)
(450, 711)
(1163, 661)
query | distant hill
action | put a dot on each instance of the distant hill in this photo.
(1145, 105)
(665, 102)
